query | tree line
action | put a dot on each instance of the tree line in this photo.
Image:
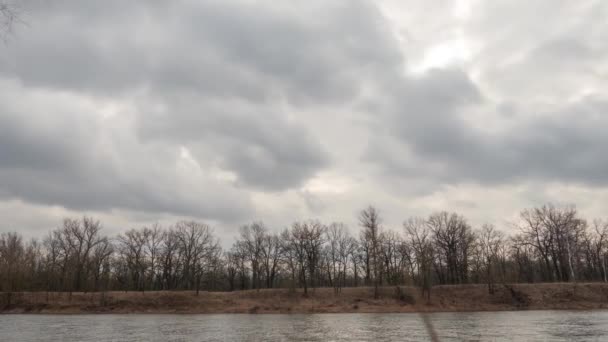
(548, 244)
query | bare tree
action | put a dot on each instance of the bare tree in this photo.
(133, 254)
(420, 239)
(100, 264)
(523, 256)
(294, 248)
(556, 234)
(553, 244)
(347, 247)
(337, 250)
(154, 237)
(11, 254)
(453, 241)
(490, 240)
(302, 251)
(292, 255)
(232, 268)
(600, 245)
(395, 257)
(252, 240)
(369, 219)
(313, 241)
(170, 260)
(197, 245)
(271, 256)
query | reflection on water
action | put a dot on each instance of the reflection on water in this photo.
(480, 326)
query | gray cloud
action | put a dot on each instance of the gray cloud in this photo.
(227, 110)
(525, 117)
(221, 80)
(259, 144)
(225, 69)
(313, 52)
(55, 151)
(429, 138)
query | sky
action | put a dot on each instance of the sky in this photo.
(233, 111)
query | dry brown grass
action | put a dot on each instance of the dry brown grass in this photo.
(322, 300)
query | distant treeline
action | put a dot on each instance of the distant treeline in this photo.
(548, 244)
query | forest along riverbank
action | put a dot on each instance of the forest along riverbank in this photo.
(321, 300)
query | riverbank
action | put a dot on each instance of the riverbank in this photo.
(323, 300)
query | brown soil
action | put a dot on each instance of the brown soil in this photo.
(322, 300)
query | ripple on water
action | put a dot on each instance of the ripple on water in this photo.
(480, 326)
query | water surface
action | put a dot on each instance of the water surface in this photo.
(480, 326)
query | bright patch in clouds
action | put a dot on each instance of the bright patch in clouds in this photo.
(443, 55)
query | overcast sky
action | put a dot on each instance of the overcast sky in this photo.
(230, 111)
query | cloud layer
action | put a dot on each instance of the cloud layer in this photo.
(235, 110)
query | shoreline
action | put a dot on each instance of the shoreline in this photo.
(180, 313)
(403, 299)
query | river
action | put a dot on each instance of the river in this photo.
(477, 326)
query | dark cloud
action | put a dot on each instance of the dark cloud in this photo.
(427, 112)
(433, 140)
(223, 74)
(317, 52)
(221, 80)
(221, 109)
(56, 151)
(259, 144)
